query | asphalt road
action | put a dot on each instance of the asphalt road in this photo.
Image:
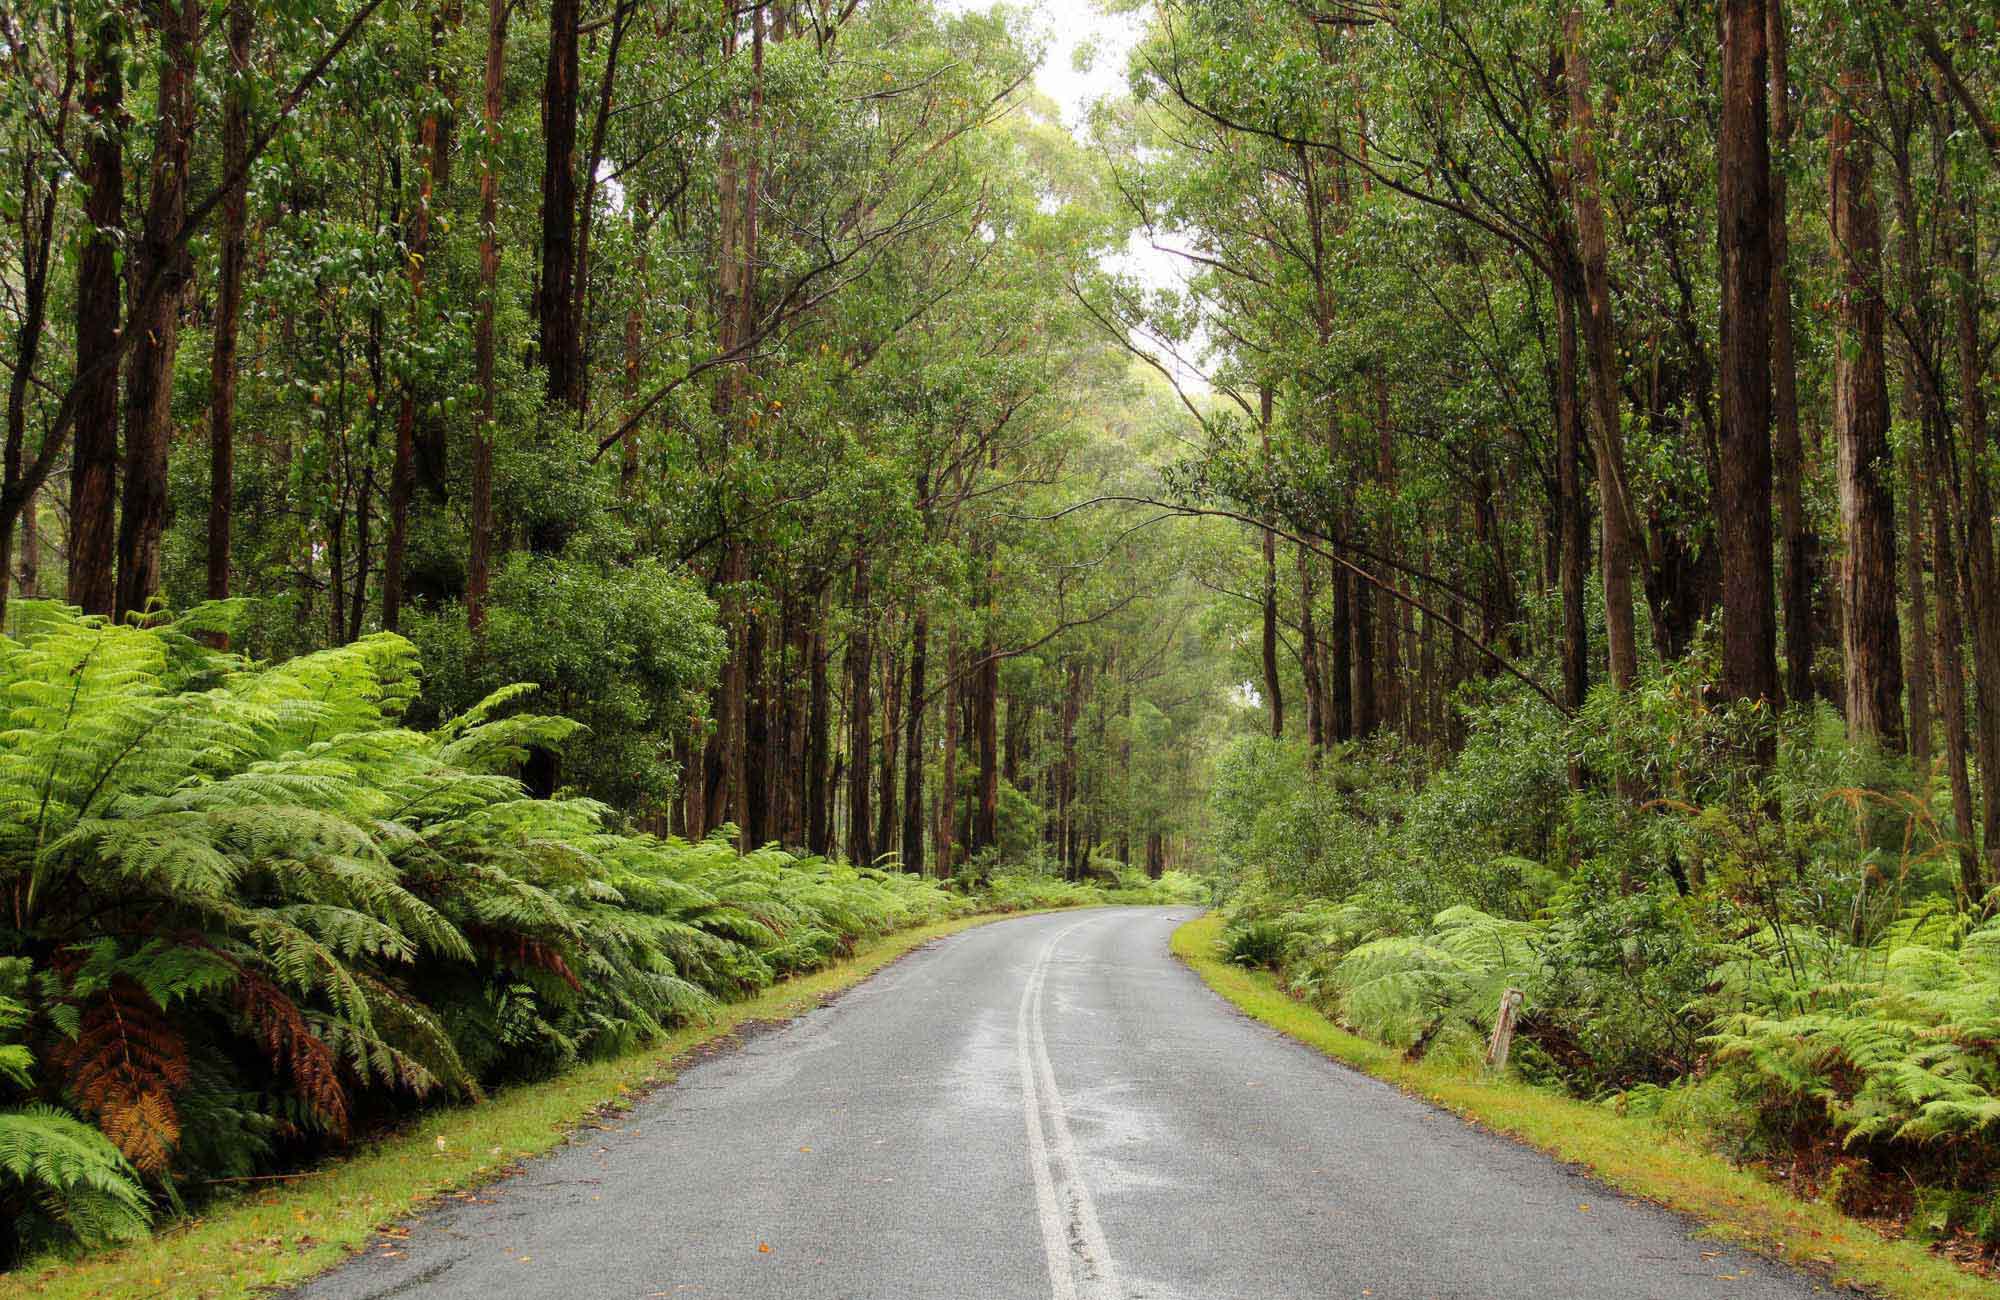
(1047, 1107)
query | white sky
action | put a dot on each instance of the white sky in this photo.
(1080, 30)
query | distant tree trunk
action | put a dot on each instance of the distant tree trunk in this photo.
(888, 798)
(1309, 655)
(819, 748)
(1340, 638)
(1386, 611)
(1274, 695)
(860, 720)
(161, 262)
(1949, 648)
(1749, 623)
(1922, 685)
(1981, 582)
(913, 744)
(947, 792)
(1367, 712)
(1871, 634)
(228, 304)
(1592, 280)
(477, 577)
(556, 321)
(403, 477)
(1787, 451)
(986, 712)
(754, 787)
(1572, 509)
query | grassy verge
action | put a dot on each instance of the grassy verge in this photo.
(1629, 1154)
(283, 1232)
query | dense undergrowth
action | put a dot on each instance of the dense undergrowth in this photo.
(248, 916)
(1784, 965)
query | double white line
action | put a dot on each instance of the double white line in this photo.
(1080, 1266)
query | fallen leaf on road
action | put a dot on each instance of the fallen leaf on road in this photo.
(763, 1248)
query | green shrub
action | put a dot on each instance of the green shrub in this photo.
(249, 913)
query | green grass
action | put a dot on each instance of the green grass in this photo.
(283, 1231)
(1630, 1154)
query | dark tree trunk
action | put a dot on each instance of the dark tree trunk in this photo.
(228, 304)
(1871, 634)
(860, 716)
(1588, 277)
(1572, 509)
(93, 507)
(403, 476)
(1274, 695)
(1787, 451)
(477, 576)
(1982, 585)
(986, 735)
(819, 748)
(755, 785)
(160, 264)
(556, 320)
(1749, 624)
(913, 745)
(1309, 655)
(1340, 639)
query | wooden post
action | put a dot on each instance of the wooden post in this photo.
(1503, 1029)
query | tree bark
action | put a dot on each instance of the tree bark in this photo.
(556, 320)
(819, 747)
(478, 578)
(1590, 278)
(403, 476)
(149, 379)
(1274, 695)
(913, 744)
(1749, 624)
(1572, 509)
(1982, 585)
(1787, 451)
(860, 715)
(1871, 636)
(228, 304)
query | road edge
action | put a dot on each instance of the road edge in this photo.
(1631, 1155)
(298, 1227)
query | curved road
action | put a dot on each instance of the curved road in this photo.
(1047, 1107)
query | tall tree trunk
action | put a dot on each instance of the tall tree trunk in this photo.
(1309, 654)
(819, 746)
(860, 714)
(159, 260)
(1572, 509)
(1590, 277)
(93, 502)
(913, 744)
(1340, 639)
(1949, 648)
(556, 321)
(228, 304)
(1274, 695)
(403, 476)
(1922, 685)
(1982, 585)
(477, 576)
(1386, 605)
(1871, 636)
(986, 712)
(947, 792)
(1787, 451)
(1749, 623)
(753, 788)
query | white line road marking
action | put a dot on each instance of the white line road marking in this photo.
(1072, 1239)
